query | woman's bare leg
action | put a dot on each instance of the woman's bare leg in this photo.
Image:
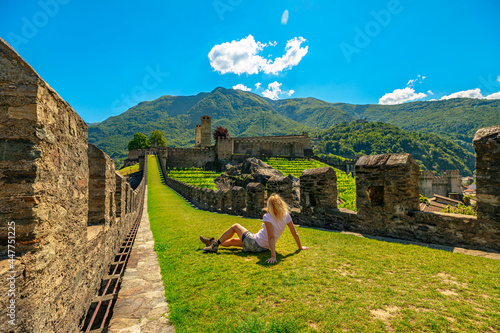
(234, 229)
(232, 242)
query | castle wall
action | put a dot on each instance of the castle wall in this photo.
(387, 195)
(292, 145)
(448, 182)
(487, 146)
(102, 187)
(44, 191)
(224, 148)
(187, 157)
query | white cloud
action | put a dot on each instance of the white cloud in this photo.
(430, 92)
(274, 91)
(406, 94)
(292, 57)
(240, 86)
(471, 93)
(284, 17)
(498, 78)
(241, 56)
(273, 43)
(399, 96)
(494, 96)
(257, 85)
(419, 79)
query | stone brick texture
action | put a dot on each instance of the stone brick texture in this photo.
(255, 200)
(282, 186)
(44, 188)
(487, 146)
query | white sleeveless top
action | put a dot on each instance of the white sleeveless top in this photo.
(279, 225)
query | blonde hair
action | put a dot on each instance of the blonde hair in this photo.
(277, 207)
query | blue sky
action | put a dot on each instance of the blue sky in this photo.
(106, 56)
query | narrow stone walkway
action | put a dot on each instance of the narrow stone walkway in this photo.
(141, 305)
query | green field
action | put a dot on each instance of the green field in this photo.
(346, 184)
(194, 176)
(130, 169)
(342, 284)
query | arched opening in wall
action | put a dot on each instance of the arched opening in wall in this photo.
(376, 195)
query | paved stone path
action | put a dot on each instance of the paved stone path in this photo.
(141, 305)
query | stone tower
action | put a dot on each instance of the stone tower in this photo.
(454, 181)
(206, 132)
(197, 136)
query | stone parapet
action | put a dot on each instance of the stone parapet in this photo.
(255, 199)
(318, 190)
(282, 186)
(48, 178)
(238, 197)
(487, 146)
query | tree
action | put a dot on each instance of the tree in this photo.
(220, 132)
(139, 141)
(158, 137)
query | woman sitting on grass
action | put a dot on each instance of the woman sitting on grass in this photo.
(272, 228)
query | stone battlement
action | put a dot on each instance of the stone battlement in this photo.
(70, 208)
(387, 198)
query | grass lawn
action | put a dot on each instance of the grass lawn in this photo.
(343, 283)
(130, 169)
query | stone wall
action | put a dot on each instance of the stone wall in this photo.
(187, 157)
(487, 146)
(387, 205)
(288, 145)
(45, 182)
(449, 182)
(281, 186)
(102, 187)
(387, 195)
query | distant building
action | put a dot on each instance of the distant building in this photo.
(448, 182)
(438, 203)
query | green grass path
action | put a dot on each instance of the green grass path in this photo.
(344, 283)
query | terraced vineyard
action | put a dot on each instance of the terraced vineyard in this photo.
(194, 176)
(346, 185)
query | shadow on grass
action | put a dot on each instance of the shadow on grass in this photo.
(262, 256)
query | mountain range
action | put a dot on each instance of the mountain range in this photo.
(247, 114)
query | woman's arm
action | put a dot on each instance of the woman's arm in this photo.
(272, 242)
(296, 236)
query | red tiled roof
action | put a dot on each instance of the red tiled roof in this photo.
(446, 200)
(429, 208)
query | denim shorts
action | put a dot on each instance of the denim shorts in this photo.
(250, 244)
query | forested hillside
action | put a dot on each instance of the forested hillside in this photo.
(431, 151)
(247, 114)
(242, 113)
(457, 119)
